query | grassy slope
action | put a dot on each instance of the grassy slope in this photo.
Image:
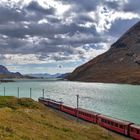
(25, 119)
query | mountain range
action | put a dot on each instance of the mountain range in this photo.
(44, 75)
(47, 75)
(120, 64)
(5, 73)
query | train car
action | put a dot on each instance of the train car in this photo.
(113, 124)
(44, 101)
(135, 131)
(123, 127)
(55, 104)
(87, 115)
(68, 109)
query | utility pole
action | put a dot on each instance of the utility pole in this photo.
(30, 92)
(18, 92)
(43, 91)
(77, 106)
(61, 102)
(4, 91)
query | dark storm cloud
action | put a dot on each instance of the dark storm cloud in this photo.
(83, 19)
(49, 30)
(133, 6)
(8, 14)
(82, 5)
(35, 7)
(15, 30)
(112, 4)
(32, 12)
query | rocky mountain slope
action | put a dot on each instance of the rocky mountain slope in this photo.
(5, 73)
(120, 64)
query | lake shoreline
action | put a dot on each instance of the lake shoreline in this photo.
(116, 100)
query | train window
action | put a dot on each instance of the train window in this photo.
(121, 126)
(138, 132)
(108, 122)
(112, 123)
(132, 129)
(116, 124)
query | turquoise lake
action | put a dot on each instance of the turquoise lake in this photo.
(116, 100)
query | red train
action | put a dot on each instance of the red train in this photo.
(123, 127)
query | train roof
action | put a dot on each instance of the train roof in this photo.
(135, 126)
(115, 120)
(88, 111)
(69, 106)
(50, 100)
(41, 98)
(54, 101)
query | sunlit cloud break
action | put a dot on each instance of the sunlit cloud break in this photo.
(43, 33)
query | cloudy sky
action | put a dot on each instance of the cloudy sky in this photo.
(50, 36)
